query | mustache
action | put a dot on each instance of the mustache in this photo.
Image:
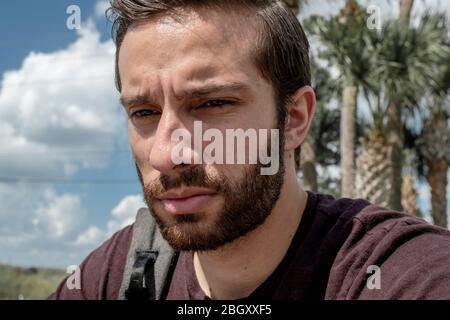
(193, 177)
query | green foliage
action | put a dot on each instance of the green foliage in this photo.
(402, 66)
(325, 126)
(407, 62)
(324, 130)
(345, 38)
(30, 283)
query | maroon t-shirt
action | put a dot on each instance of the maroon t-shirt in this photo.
(329, 258)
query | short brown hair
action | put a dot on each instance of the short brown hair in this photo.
(282, 54)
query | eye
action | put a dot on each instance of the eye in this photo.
(215, 104)
(144, 113)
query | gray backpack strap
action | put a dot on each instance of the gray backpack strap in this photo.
(150, 262)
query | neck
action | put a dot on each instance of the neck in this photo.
(235, 270)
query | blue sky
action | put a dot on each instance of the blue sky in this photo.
(60, 120)
(45, 69)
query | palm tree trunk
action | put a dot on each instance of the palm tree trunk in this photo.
(348, 133)
(395, 154)
(409, 196)
(437, 178)
(395, 134)
(308, 165)
(405, 10)
(373, 168)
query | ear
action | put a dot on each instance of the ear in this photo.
(300, 114)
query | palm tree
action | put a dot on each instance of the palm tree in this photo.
(405, 10)
(409, 192)
(394, 124)
(308, 164)
(435, 147)
(373, 167)
(409, 196)
(343, 37)
(405, 64)
(320, 146)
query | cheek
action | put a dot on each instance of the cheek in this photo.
(133, 140)
(232, 172)
(262, 115)
(140, 147)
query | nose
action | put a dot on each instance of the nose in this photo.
(160, 157)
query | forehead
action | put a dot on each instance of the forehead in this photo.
(194, 46)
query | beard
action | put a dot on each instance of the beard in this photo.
(247, 202)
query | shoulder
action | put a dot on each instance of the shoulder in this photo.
(101, 271)
(333, 209)
(332, 219)
(412, 256)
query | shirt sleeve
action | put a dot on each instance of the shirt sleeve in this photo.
(391, 255)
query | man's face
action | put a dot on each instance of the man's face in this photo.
(198, 67)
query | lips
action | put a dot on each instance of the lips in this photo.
(187, 200)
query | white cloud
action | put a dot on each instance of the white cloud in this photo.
(125, 212)
(57, 104)
(122, 215)
(100, 8)
(41, 221)
(61, 217)
(91, 236)
(59, 113)
(57, 233)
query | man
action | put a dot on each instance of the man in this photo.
(240, 233)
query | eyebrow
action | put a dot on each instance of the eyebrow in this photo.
(190, 93)
(135, 100)
(212, 88)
